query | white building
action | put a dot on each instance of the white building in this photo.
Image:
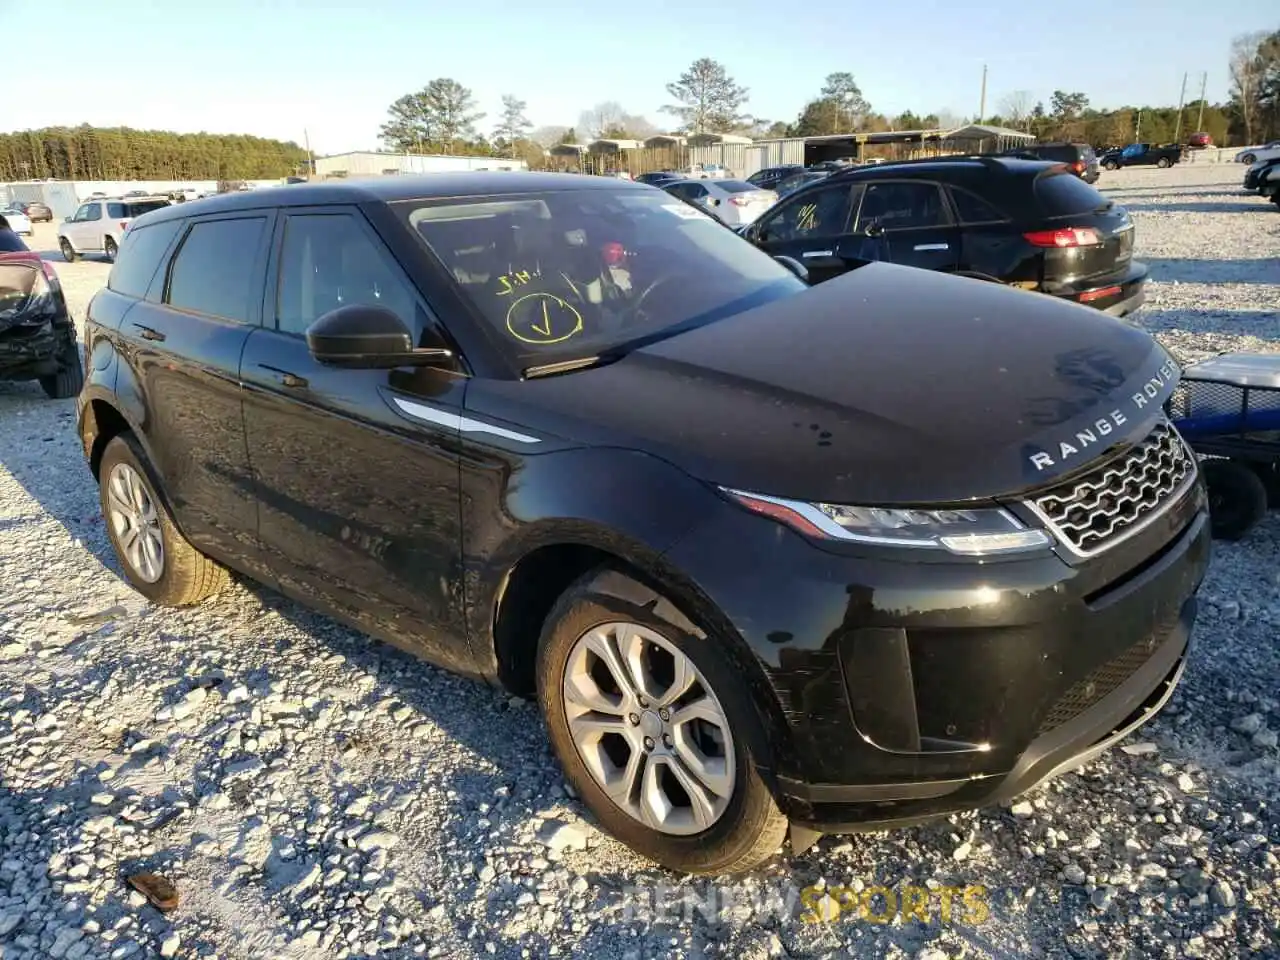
(375, 164)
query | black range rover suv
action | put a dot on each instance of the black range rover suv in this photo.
(1025, 223)
(835, 557)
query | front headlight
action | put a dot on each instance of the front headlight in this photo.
(977, 532)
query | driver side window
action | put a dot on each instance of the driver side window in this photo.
(82, 213)
(823, 213)
(93, 211)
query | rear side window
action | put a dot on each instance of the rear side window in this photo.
(1066, 195)
(115, 211)
(138, 207)
(973, 209)
(904, 205)
(139, 256)
(214, 270)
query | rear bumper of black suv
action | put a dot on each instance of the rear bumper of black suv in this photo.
(1117, 296)
(911, 689)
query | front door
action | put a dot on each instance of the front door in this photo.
(809, 228)
(184, 343)
(358, 496)
(85, 228)
(914, 222)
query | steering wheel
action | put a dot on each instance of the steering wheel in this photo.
(638, 314)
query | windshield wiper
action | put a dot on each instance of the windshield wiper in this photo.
(567, 366)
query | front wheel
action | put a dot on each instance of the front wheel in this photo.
(1163, 163)
(1249, 158)
(1237, 498)
(158, 560)
(66, 383)
(68, 251)
(1110, 165)
(655, 730)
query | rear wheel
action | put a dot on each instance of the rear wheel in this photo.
(1248, 158)
(652, 727)
(157, 559)
(1163, 163)
(68, 251)
(110, 249)
(1111, 165)
(66, 383)
(1237, 497)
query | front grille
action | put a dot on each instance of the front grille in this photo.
(1100, 508)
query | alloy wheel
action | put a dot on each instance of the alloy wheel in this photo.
(649, 728)
(135, 522)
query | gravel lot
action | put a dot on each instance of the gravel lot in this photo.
(313, 794)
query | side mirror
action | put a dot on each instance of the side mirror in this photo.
(795, 266)
(368, 337)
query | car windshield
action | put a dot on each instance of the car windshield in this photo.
(574, 274)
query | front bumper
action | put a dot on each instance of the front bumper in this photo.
(29, 351)
(904, 691)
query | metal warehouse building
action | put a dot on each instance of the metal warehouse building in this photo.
(374, 164)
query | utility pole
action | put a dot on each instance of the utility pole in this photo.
(311, 158)
(1204, 82)
(982, 101)
(1137, 129)
(1182, 99)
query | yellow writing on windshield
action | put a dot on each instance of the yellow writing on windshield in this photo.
(543, 319)
(508, 282)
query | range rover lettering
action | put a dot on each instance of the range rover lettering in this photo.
(772, 557)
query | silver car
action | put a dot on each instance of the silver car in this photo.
(734, 202)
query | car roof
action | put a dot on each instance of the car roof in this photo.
(390, 189)
(949, 168)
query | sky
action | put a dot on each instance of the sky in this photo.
(327, 70)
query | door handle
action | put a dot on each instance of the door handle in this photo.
(932, 246)
(149, 334)
(819, 253)
(285, 377)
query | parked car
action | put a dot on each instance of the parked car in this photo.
(99, 226)
(1142, 154)
(1252, 155)
(36, 211)
(16, 219)
(1269, 182)
(658, 177)
(1199, 141)
(797, 180)
(770, 177)
(733, 202)
(1253, 176)
(37, 335)
(1026, 223)
(561, 433)
(1079, 157)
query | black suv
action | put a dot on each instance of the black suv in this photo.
(862, 553)
(1079, 157)
(1029, 224)
(770, 177)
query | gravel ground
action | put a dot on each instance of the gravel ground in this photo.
(312, 794)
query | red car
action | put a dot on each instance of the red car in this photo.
(1199, 141)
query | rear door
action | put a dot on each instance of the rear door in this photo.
(989, 242)
(183, 343)
(809, 227)
(915, 222)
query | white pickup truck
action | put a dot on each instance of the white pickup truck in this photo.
(706, 171)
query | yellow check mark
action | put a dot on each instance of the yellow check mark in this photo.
(545, 329)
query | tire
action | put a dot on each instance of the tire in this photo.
(1163, 163)
(1269, 474)
(1111, 165)
(110, 249)
(742, 826)
(66, 383)
(68, 251)
(185, 576)
(1248, 159)
(1237, 498)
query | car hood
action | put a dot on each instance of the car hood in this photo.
(886, 385)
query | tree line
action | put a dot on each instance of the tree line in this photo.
(121, 153)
